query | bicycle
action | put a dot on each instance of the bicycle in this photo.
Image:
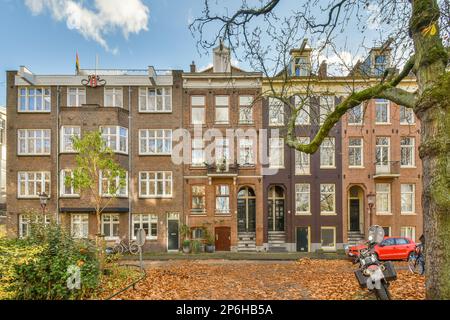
(416, 263)
(124, 246)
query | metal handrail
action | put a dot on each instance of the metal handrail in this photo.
(133, 284)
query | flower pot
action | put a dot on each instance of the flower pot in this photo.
(186, 249)
(210, 248)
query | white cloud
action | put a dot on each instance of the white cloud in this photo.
(344, 61)
(106, 16)
(374, 20)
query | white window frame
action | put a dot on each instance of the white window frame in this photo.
(115, 91)
(222, 106)
(328, 213)
(276, 117)
(138, 218)
(383, 147)
(62, 188)
(108, 137)
(167, 176)
(323, 148)
(403, 120)
(63, 135)
(44, 97)
(246, 102)
(222, 150)
(321, 240)
(24, 219)
(305, 112)
(80, 96)
(198, 105)
(198, 145)
(411, 148)
(298, 192)
(409, 194)
(27, 137)
(383, 102)
(118, 194)
(328, 102)
(83, 220)
(246, 150)
(164, 94)
(361, 150)
(111, 223)
(45, 178)
(408, 232)
(222, 196)
(388, 193)
(166, 138)
(280, 147)
(351, 111)
(300, 157)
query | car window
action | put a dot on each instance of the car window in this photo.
(401, 241)
(388, 242)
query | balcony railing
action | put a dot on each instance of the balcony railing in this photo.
(387, 169)
(222, 169)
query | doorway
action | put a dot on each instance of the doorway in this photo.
(246, 210)
(173, 237)
(302, 236)
(276, 209)
(355, 205)
(223, 238)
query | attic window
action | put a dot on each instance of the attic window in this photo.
(380, 64)
(301, 66)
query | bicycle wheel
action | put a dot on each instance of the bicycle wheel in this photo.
(134, 248)
(118, 248)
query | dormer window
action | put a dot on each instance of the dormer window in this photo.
(380, 64)
(301, 67)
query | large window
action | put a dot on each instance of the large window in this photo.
(302, 198)
(155, 141)
(198, 110)
(222, 109)
(380, 64)
(113, 97)
(116, 138)
(245, 109)
(222, 150)
(198, 199)
(246, 152)
(355, 115)
(383, 197)
(407, 198)
(198, 153)
(381, 111)
(33, 141)
(276, 112)
(32, 184)
(155, 184)
(408, 232)
(110, 186)
(67, 189)
(327, 199)
(155, 99)
(80, 225)
(303, 117)
(25, 224)
(76, 97)
(302, 159)
(34, 100)
(301, 67)
(110, 226)
(326, 107)
(328, 238)
(276, 152)
(407, 152)
(67, 135)
(223, 199)
(407, 116)
(355, 152)
(382, 150)
(148, 222)
(327, 153)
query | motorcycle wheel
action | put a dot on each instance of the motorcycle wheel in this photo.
(420, 267)
(383, 292)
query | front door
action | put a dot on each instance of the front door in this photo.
(275, 212)
(246, 210)
(172, 237)
(354, 215)
(223, 238)
(302, 239)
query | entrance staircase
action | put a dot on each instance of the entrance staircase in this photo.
(355, 237)
(277, 241)
(246, 242)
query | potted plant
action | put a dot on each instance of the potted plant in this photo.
(210, 247)
(185, 232)
(186, 246)
(196, 246)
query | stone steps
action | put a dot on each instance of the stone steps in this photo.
(277, 241)
(246, 242)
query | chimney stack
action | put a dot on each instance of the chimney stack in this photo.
(323, 70)
(192, 66)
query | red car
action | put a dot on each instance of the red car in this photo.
(391, 248)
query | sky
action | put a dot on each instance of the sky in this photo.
(44, 35)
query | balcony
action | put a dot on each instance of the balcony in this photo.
(387, 169)
(222, 169)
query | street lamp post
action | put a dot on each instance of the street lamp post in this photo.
(371, 203)
(43, 197)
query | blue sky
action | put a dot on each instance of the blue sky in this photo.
(46, 41)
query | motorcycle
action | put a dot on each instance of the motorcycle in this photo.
(416, 263)
(374, 274)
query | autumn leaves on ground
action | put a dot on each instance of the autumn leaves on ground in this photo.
(303, 279)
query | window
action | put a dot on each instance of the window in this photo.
(276, 112)
(246, 152)
(326, 107)
(408, 232)
(381, 111)
(198, 233)
(328, 238)
(32, 184)
(245, 109)
(380, 65)
(2, 130)
(116, 138)
(34, 100)
(407, 152)
(25, 224)
(67, 134)
(387, 231)
(110, 226)
(67, 189)
(388, 242)
(382, 151)
(223, 199)
(113, 97)
(107, 189)
(33, 141)
(158, 141)
(407, 116)
(222, 150)
(155, 99)
(155, 184)
(302, 198)
(276, 152)
(327, 199)
(302, 159)
(355, 152)
(355, 115)
(407, 198)
(383, 197)
(198, 199)
(76, 97)
(198, 153)
(327, 151)
(303, 115)
(222, 109)
(198, 110)
(80, 225)
(148, 222)
(301, 67)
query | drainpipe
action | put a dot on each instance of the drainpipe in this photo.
(130, 157)
(57, 153)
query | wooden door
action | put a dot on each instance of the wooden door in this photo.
(302, 239)
(223, 238)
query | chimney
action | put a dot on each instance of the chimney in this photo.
(221, 60)
(323, 70)
(192, 66)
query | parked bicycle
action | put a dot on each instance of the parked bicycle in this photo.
(124, 246)
(416, 262)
